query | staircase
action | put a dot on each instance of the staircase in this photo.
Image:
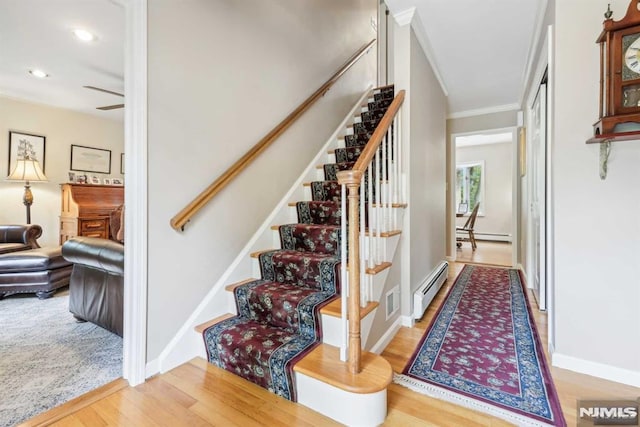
(279, 321)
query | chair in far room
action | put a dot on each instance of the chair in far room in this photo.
(468, 228)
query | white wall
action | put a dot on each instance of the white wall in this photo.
(428, 159)
(597, 243)
(221, 75)
(62, 128)
(422, 244)
(497, 207)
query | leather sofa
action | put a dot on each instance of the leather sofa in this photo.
(96, 286)
(19, 237)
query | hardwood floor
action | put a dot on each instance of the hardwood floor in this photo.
(199, 394)
(493, 253)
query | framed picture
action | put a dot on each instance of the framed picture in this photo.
(122, 163)
(95, 180)
(522, 142)
(81, 179)
(87, 159)
(106, 181)
(117, 181)
(21, 144)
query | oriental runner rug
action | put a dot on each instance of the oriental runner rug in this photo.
(482, 351)
(278, 320)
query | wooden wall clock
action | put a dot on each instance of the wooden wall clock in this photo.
(620, 73)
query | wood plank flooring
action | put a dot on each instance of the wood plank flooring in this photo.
(199, 394)
(492, 253)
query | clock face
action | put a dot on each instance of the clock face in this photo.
(631, 49)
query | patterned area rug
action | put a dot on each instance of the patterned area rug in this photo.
(47, 358)
(482, 351)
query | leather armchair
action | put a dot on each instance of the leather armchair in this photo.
(19, 237)
(96, 287)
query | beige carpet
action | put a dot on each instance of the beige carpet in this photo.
(48, 358)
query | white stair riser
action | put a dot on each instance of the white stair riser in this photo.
(354, 409)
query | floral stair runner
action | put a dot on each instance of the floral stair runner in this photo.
(278, 319)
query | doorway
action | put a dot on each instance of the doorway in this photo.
(482, 171)
(538, 191)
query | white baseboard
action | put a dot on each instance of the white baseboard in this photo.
(386, 338)
(600, 370)
(152, 368)
(496, 237)
(407, 321)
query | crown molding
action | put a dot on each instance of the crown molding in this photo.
(534, 48)
(409, 16)
(405, 17)
(482, 111)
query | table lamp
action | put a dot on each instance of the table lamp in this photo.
(27, 170)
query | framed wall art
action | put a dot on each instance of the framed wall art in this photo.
(88, 159)
(522, 151)
(21, 143)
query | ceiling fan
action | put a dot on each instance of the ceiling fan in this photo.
(107, 107)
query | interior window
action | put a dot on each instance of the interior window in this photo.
(469, 184)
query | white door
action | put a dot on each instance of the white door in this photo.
(538, 195)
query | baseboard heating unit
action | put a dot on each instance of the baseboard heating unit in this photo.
(423, 296)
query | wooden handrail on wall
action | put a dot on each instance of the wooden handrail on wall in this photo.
(352, 180)
(180, 220)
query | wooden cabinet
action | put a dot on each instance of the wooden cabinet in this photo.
(86, 208)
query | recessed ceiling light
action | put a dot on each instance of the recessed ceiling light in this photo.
(84, 35)
(38, 73)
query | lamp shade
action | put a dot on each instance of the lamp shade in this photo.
(27, 169)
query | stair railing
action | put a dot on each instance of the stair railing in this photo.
(181, 218)
(378, 175)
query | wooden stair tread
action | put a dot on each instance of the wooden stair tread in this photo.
(393, 205)
(378, 268)
(232, 286)
(334, 308)
(201, 327)
(257, 254)
(323, 363)
(390, 233)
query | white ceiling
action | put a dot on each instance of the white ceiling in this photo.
(38, 34)
(479, 48)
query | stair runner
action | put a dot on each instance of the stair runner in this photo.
(278, 319)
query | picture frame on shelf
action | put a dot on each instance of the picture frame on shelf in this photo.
(106, 181)
(72, 177)
(95, 180)
(89, 159)
(117, 181)
(81, 179)
(21, 143)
